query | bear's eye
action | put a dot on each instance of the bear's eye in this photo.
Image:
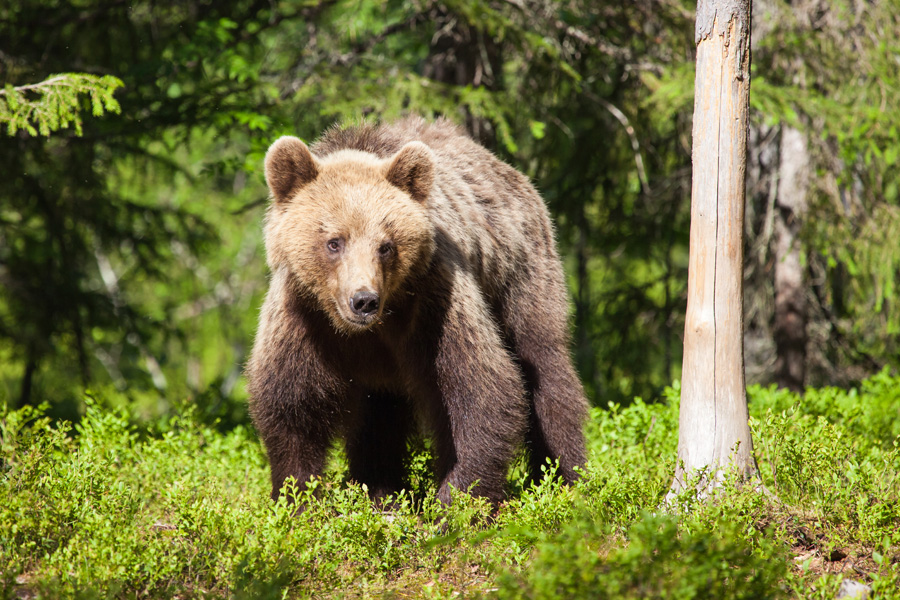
(334, 245)
(386, 249)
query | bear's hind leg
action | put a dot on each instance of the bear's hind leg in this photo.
(534, 315)
(377, 443)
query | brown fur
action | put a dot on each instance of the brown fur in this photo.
(469, 337)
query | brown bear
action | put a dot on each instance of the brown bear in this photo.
(415, 285)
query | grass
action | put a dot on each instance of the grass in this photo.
(104, 509)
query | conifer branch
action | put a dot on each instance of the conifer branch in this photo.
(56, 102)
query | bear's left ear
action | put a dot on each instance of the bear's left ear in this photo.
(412, 170)
(289, 166)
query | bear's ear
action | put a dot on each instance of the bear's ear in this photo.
(412, 170)
(289, 166)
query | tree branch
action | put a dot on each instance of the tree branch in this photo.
(629, 129)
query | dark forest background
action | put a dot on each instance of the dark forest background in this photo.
(131, 256)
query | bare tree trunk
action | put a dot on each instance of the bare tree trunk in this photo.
(790, 291)
(713, 422)
(31, 364)
(584, 351)
(462, 55)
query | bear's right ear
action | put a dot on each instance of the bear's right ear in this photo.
(289, 166)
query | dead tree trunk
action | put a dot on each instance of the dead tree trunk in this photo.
(713, 422)
(790, 293)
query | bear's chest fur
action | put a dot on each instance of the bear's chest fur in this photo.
(374, 359)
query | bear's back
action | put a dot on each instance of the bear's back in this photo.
(385, 140)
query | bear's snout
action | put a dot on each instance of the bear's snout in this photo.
(364, 304)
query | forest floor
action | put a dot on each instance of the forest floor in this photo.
(178, 508)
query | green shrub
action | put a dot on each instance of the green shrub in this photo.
(816, 451)
(659, 559)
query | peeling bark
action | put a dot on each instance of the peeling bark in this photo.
(723, 11)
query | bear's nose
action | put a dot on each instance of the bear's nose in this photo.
(365, 304)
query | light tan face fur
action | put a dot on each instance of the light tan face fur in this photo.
(350, 227)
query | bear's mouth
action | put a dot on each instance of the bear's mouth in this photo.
(352, 323)
(357, 324)
(365, 322)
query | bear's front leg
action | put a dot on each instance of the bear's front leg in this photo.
(297, 401)
(481, 406)
(293, 451)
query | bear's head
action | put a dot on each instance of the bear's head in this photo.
(349, 228)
